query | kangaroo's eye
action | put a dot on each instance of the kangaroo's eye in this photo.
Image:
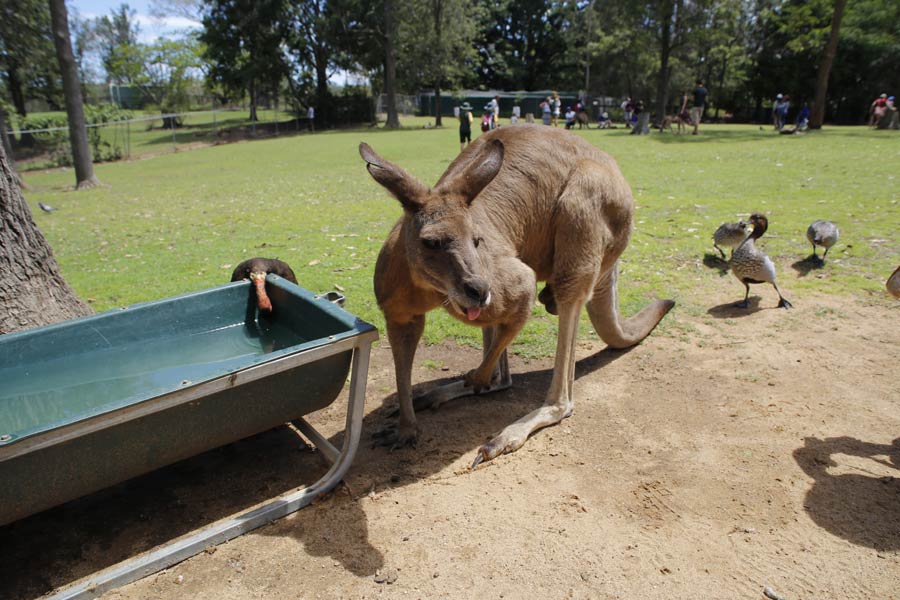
(431, 243)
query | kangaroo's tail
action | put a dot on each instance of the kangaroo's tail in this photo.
(603, 308)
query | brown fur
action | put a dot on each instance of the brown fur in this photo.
(519, 205)
(677, 120)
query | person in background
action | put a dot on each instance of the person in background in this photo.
(803, 117)
(781, 111)
(547, 110)
(494, 108)
(697, 109)
(570, 117)
(557, 109)
(603, 121)
(516, 114)
(878, 110)
(894, 122)
(311, 119)
(777, 101)
(627, 110)
(465, 125)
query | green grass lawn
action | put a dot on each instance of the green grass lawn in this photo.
(147, 137)
(176, 223)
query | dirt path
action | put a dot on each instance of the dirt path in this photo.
(731, 452)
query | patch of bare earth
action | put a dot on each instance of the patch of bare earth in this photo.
(732, 451)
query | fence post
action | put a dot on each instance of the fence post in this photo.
(215, 127)
(172, 125)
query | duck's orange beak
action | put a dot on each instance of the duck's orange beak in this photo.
(259, 280)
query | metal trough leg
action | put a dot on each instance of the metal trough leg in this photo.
(224, 530)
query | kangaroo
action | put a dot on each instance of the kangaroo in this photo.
(519, 205)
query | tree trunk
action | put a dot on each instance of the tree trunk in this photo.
(817, 116)
(437, 105)
(665, 53)
(7, 147)
(437, 7)
(18, 98)
(32, 290)
(81, 150)
(390, 66)
(252, 92)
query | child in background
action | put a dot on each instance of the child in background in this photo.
(465, 125)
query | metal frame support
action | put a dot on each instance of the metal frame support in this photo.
(226, 529)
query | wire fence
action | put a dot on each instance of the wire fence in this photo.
(128, 136)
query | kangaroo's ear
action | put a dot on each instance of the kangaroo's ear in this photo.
(406, 188)
(479, 172)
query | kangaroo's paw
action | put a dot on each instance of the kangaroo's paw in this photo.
(395, 436)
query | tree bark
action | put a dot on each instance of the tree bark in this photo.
(252, 92)
(7, 147)
(81, 150)
(437, 7)
(665, 54)
(32, 290)
(817, 116)
(390, 66)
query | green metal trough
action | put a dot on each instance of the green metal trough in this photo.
(91, 402)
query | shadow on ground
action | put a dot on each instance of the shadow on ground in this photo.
(810, 263)
(730, 310)
(61, 545)
(715, 261)
(854, 499)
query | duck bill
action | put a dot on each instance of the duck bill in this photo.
(262, 298)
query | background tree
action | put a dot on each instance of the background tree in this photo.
(817, 115)
(32, 290)
(522, 46)
(116, 39)
(81, 151)
(436, 44)
(27, 60)
(244, 42)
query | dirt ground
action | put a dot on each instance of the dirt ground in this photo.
(735, 451)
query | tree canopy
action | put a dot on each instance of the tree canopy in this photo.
(745, 50)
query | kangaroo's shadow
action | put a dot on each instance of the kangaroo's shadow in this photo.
(61, 545)
(715, 261)
(855, 496)
(808, 264)
(730, 310)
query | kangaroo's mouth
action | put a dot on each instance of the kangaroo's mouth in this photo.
(473, 312)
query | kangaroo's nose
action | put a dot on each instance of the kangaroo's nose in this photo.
(477, 290)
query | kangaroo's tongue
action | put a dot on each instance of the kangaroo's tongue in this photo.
(472, 313)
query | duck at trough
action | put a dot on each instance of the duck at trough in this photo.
(256, 269)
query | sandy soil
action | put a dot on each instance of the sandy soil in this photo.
(734, 451)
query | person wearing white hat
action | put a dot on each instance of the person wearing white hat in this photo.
(777, 100)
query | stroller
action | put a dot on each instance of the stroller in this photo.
(487, 121)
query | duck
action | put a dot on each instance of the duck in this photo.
(730, 235)
(751, 265)
(893, 283)
(822, 233)
(256, 269)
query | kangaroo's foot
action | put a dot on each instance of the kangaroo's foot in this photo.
(514, 436)
(395, 436)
